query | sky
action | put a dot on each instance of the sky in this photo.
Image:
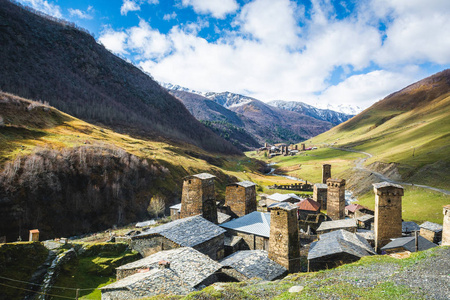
(315, 51)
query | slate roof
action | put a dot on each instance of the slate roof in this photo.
(340, 241)
(222, 218)
(409, 226)
(308, 204)
(283, 205)
(186, 232)
(283, 197)
(321, 185)
(365, 218)
(145, 223)
(367, 234)
(191, 266)
(409, 243)
(176, 206)
(232, 240)
(151, 283)
(384, 184)
(431, 226)
(257, 223)
(245, 183)
(337, 224)
(254, 263)
(354, 207)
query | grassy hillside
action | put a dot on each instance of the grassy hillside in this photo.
(51, 60)
(410, 128)
(65, 176)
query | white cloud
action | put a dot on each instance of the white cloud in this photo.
(44, 6)
(129, 5)
(81, 14)
(168, 17)
(114, 40)
(217, 8)
(277, 50)
(271, 21)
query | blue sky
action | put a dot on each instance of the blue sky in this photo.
(317, 51)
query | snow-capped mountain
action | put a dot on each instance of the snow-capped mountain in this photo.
(335, 114)
(331, 116)
(342, 108)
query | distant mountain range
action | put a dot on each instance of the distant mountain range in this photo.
(229, 114)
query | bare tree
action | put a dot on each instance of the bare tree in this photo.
(156, 206)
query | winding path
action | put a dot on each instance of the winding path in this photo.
(360, 166)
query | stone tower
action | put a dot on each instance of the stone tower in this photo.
(326, 172)
(388, 213)
(320, 195)
(240, 197)
(303, 147)
(446, 227)
(336, 198)
(198, 197)
(284, 244)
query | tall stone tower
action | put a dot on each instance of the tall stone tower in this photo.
(326, 172)
(320, 195)
(388, 213)
(446, 227)
(198, 197)
(284, 244)
(240, 197)
(336, 198)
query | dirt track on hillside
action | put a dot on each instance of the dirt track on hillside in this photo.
(360, 166)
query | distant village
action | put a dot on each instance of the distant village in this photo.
(242, 238)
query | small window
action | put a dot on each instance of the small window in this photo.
(388, 200)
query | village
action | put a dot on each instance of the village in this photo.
(209, 242)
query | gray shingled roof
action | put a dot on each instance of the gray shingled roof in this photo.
(384, 184)
(409, 243)
(186, 232)
(204, 176)
(189, 264)
(151, 283)
(176, 206)
(245, 183)
(257, 223)
(222, 218)
(409, 226)
(340, 241)
(337, 224)
(254, 263)
(283, 197)
(431, 226)
(365, 218)
(283, 205)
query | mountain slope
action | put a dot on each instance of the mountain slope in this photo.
(68, 177)
(328, 115)
(53, 61)
(409, 128)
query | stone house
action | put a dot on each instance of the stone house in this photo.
(336, 248)
(240, 197)
(307, 207)
(365, 221)
(175, 211)
(279, 198)
(407, 244)
(247, 264)
(195, 232)
(431, 231)
(351, 209)
(171, 272)
(346, 224)
(253, 228)
(320, 194)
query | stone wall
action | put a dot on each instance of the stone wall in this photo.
(241, 200)
(434, 237)
(214, 248)
(326, 172)
(388, 214)
(174, 214)
(251, 241)
(151, 244)
(446, 226)
(284, 246)
(336, 198)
